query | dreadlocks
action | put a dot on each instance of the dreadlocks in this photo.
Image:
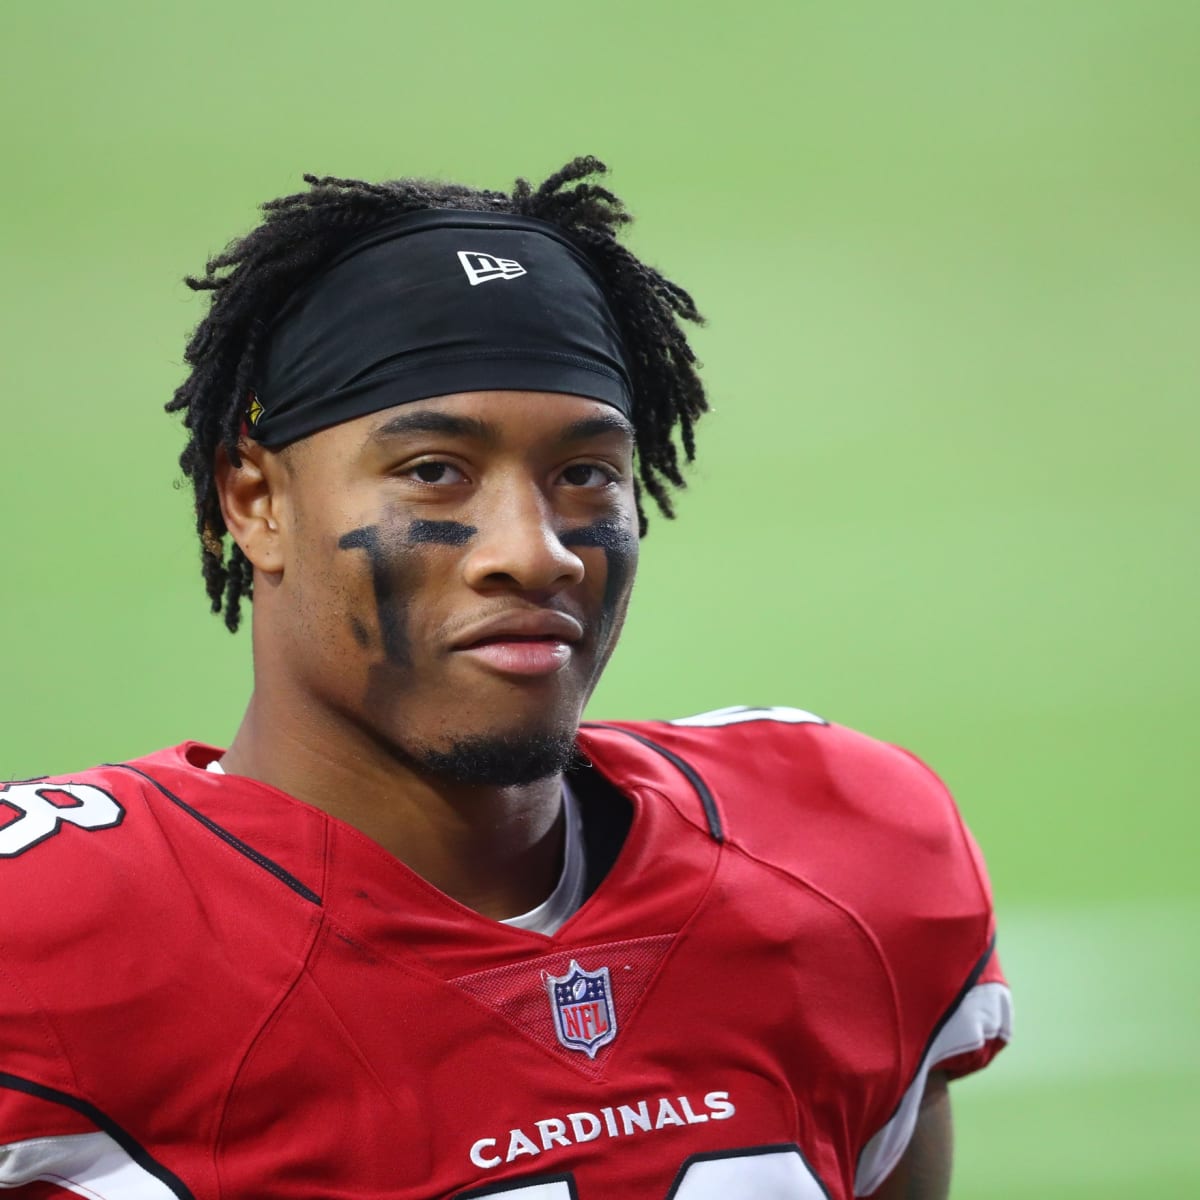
(255, 275)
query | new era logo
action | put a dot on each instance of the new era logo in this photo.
(482, 267)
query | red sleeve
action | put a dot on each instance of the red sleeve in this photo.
(68, 865)
(54, 1143)
(877, 831)
(38, 1132)
(940, 918)
(42, 1143)
(26, 1112)
(982, 1024)
(31, 1060)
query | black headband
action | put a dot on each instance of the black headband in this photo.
(479, 301)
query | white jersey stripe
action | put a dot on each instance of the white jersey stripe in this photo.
(984, 1014)
(88, 1164)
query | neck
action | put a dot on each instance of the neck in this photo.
(497, 850)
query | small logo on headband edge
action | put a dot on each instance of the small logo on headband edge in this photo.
(480, 268)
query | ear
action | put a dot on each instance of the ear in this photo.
(251, 498)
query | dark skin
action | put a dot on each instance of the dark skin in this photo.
(381, 543)
(923, 1173)
(381, 547)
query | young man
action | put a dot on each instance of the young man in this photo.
(415, 933)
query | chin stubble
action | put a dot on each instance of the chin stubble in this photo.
(499, 760)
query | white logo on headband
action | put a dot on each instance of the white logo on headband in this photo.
(482, 267)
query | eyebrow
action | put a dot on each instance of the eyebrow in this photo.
(431, 421)
(590, 427)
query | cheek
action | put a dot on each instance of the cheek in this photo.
(332, 629)
(327, 578)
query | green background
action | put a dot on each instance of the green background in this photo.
(950, 258)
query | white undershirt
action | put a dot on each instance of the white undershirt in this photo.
(562, 903)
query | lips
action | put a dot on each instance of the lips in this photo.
(525, 643)
(521, 626)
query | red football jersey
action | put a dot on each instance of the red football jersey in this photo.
(211, 989)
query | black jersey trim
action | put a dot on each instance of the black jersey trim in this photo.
(923, 1065)
(230, 839)
(106, 1124)
(685, 768)
(972, 979)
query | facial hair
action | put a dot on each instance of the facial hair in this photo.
(499, 760)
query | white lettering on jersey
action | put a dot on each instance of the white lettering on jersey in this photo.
(518, 1144)
(626, 1120)
(43, 808)
(739, 714)
(585, 1126)
(719, 1105)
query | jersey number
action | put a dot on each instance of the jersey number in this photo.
(756, 1173)
(43, 808)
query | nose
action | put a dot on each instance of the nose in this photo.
(517, 547)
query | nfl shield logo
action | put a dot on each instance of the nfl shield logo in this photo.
(581, 1001)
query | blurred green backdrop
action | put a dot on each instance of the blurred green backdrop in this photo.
(951, 262)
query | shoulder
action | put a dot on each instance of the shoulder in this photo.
(129, 891)
(82, 899)
(39, 812)
(58, 819)
(119, 853)
(79, 853)
(787, 784)
(865, 823)
(872, 829)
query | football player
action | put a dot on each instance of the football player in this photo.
(417, 933)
